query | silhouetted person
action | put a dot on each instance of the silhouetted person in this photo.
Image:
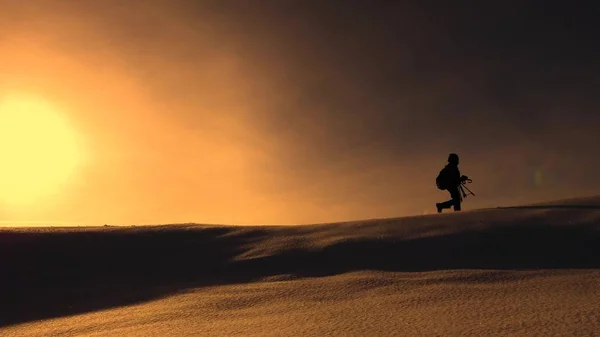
(450, 179)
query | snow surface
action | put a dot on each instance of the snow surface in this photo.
(529, 270)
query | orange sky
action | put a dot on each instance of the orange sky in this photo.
(188, 117)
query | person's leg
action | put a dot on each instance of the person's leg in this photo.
(455, 201)
(446, 204)
(456, 198)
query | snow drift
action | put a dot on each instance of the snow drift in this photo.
(54, 274)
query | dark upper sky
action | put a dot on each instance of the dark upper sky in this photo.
(348, 109)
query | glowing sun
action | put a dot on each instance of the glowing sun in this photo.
(38, 149)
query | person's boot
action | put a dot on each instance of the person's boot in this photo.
(439, 207)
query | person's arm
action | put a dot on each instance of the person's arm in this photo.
(455, 177)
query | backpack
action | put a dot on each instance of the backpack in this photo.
(441, 180)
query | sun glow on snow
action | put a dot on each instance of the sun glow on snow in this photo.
(38, 149)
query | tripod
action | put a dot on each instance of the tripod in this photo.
(463, 187)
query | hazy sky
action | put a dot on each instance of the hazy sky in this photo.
(304, 111)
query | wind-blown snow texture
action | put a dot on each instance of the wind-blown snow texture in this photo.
(529, 270)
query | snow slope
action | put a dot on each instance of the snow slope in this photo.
(528, 270)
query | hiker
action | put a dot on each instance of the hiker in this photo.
(450, 179)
